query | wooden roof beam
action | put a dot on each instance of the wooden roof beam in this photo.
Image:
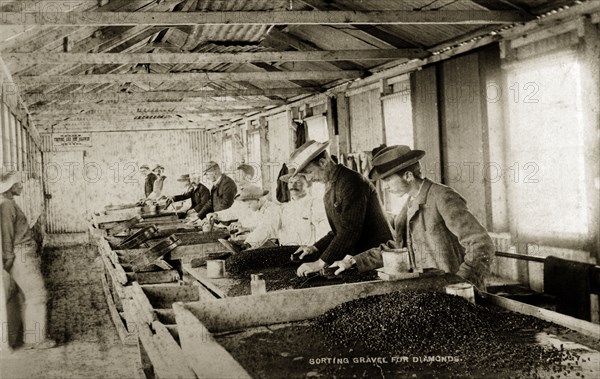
(177, 116)
(392, 17)
(77, 97)
(370, 30)
(188, 77)
(151, 106)
(202, 58)
(281, 40)
(133, 125)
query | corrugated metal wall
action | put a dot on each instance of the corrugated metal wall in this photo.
(66, 206)
(108, 172)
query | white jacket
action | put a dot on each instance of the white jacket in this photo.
(298, 222)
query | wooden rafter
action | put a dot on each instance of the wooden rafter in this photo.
(188, 77)
(202, 58)
(77, 97)
(370, 30)
(392, 17)
(131, 125)
(197, 104)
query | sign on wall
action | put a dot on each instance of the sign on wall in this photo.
(66, 139)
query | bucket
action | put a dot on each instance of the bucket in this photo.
(395, 262)
(215, 268)
(464, 290)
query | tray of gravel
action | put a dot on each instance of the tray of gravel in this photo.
(409, 334)
(281, 278)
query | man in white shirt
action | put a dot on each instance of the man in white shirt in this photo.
(301, 221)
(259, 209)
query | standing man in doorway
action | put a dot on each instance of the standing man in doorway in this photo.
(21, 259)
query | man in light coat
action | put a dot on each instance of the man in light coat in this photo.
(259, 209)
(301, 221)
(435, 224)
(20, 259)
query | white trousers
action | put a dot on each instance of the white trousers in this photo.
(27, 274)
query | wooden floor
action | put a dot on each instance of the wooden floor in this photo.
(79, 321)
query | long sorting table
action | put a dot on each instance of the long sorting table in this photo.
(179, 325)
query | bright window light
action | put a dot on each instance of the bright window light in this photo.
(545, 169)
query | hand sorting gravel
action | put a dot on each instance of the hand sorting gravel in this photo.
(249, 261)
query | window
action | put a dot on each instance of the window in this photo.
(254, 156)
(228, 153)
(397, 118)
(545, 171)
(316, 127)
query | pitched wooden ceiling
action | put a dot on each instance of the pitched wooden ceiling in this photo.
(201, 63)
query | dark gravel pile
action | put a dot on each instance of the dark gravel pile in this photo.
(251, 261)
(282, 278)
(429, 324)
(200, 237)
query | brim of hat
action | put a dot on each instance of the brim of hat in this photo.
(238, 197)
(413, 157)
(303, 165)
(8, 185)
(5, 187)
(286, 178)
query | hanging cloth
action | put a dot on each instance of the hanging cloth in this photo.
(283, 192)
(300, 133)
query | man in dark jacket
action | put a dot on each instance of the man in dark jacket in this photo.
(150, 178)
(353, 208)
(222, 192)
(197, 192)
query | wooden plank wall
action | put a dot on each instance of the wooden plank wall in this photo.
(463, 117)
(426, 120)
(495, 99)
(366, 121)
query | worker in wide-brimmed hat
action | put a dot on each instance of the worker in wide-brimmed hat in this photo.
(435, 224)
(21, 260)
(353, 208)
(247, 174)
(195, 191)
(258, 209)
(300, 221)
(222, 192)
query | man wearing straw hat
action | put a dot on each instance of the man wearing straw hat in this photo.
(259, 209)
(300, 221)
(435, 224)
(353, 208)
(21, 260)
